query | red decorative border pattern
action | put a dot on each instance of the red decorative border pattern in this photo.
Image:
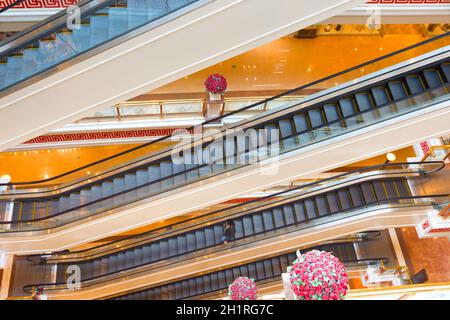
(101, 135)
(408, 1)
(38, 4)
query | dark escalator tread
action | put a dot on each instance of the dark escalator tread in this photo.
(433, 78)
(368, 193)
(300, 212)
(268, 220)
(331, 113)
(155, 251)
(218, 233)
(397, 89)
(258, 223)
(363, 101)
(380, 96)
(164, 249)
(301, 123)
(316, 118)
(182, 244)
(380, 191)
(200, 239)
(190, 240)
(322, 205)
(192, 286)
(310, 207)
(260, 275)
(214, 282)
(344, 199)
(356, 194)
(200, 284)
(173, 247)
(347, 107)
(333, 202)
(138, 256)
(239, 228)
(403, 188)
(278, 217)
(248, 226)
(289, 217)
(391, 189)
(209, 237)
(445, 67)
(276, 266)
(147, 253)
(268, 269)
(415, 84)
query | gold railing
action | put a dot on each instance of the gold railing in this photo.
(184, 107)
(432, 152)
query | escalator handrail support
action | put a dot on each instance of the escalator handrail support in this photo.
(230, 113)
(308, 185)
(121, 272)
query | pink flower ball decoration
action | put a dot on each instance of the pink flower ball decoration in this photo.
(216, 84)
(318, 275)
(243, 288)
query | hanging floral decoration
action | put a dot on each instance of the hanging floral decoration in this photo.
(216, 84)
(243, 288)
(318, 275)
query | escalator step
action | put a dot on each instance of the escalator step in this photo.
(239, 228)
(288, 215)
(278, 217)
(200, 239)
(248, 226)
(368, 193)
(344, 199)
(209, 237)
(357, 199)
(268, 220)
(333, 202)
(433, 78)
(445, 67)
(190, 240)
(163, 249)
(310, 208)
(173, 247)
(347, 107)
(415, 84)
(258, 223)
(380, 192)
(380, 96)
(155, 251)
(322, 205)
(397, 89)
(182, 244)
(363, 101)
(300, 213)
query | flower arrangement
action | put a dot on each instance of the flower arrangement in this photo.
(318, 275)
(216, 84)
(243, 288)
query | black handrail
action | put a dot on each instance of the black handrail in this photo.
(124, 270)
(341, 120)
(198, 167)
(268, 197)
(232, 112)
(28, 288)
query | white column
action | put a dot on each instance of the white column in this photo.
(7, 266)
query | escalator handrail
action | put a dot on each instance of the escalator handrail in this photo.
(261, 199)
(289, 92)
(48, 26)
(121, 272)
(57, 195)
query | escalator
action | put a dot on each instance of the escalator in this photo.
(282, 215)
(216, 284)
(124, 48)
(395, 97)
